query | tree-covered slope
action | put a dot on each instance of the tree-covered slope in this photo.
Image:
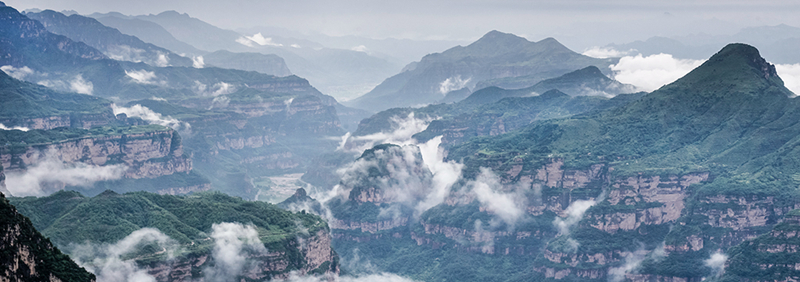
(495, 55)
(294, 241)
(110, 41)
(27, 255)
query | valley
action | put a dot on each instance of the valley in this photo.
(164, 147)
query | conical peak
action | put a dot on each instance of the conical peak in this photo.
(743, 53)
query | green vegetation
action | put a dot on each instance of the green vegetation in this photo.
(45, 260)
(68, 217)
(22, 100)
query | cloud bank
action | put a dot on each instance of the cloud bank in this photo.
(51, 174)
(3, 127)
(106, 260)
(651, 72)
(152, 117)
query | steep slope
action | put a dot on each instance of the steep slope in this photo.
(37, 107)
(341, 73)
(769, 257)
(655, 189)
(110, 41)
(29, 256)
(263, 63)
(293, 242)
(589, 81)
(147, 31)
(495, 55)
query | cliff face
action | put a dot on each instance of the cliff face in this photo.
(147, 155)
(29, 256)
(770, 257)
(317, 258)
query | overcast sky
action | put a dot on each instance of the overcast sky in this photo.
(577, 23)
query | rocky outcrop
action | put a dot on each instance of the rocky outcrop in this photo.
(29, 256)
(316, 251)
(78, 120)
(370, 227)
(769, 257)
(146, 155)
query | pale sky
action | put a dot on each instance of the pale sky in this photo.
(579, 24)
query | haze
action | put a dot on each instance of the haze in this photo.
(579, 24)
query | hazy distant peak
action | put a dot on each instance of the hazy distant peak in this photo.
(172, 13)
(496, 37)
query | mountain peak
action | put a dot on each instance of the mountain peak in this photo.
(496, 37)
(737, 63)
(2, 4)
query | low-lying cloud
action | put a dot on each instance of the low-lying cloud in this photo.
(80, 85)
(651, 72)
(198, 62)
(378, 277)
(487, 189)
(234, 243)
(3, 127)
(51, 174)
(403, 128)
(259, 39)
(606, 52)
(152, 117)
(790, 74)
(717, 263)
(452, 84)
(18, 73)
(142, 76)
(575, 213)
(106, 260)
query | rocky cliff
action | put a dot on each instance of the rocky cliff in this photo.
(278, 244)
(147, 154)
(769, 257)
(29, 256)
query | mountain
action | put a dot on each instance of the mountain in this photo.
(147, 31)
(495, 55)
(771, 256)
(248, 124)
(263, 63)
(290, 242)
(341, 73)
(775, 43)
(650, 189)
(110, 41)
(29, 256)
(589, 81)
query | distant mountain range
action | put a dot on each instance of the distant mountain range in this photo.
(776, 43)
(494, 57)
(342, 73)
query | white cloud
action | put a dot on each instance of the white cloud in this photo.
(18, 73)
(79, 85)
(222, 88)
(124, 53)
(3, 127)
(486, 189)
(378, 277)
(296, 46)
(246, 42)
(51, 174)
(790, 74)
(257, 38)
(197, 62)
(360, 48)
(452, 84)
(162, 60)
(107, 263)
(605, 52)
(575, 213)
(142, 76)
(152, 117)
(716, 262)
(651, 72)
(402, 130)
(445, 174)
(233, 244)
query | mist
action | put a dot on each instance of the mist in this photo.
(152, 117)
(50, 174)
